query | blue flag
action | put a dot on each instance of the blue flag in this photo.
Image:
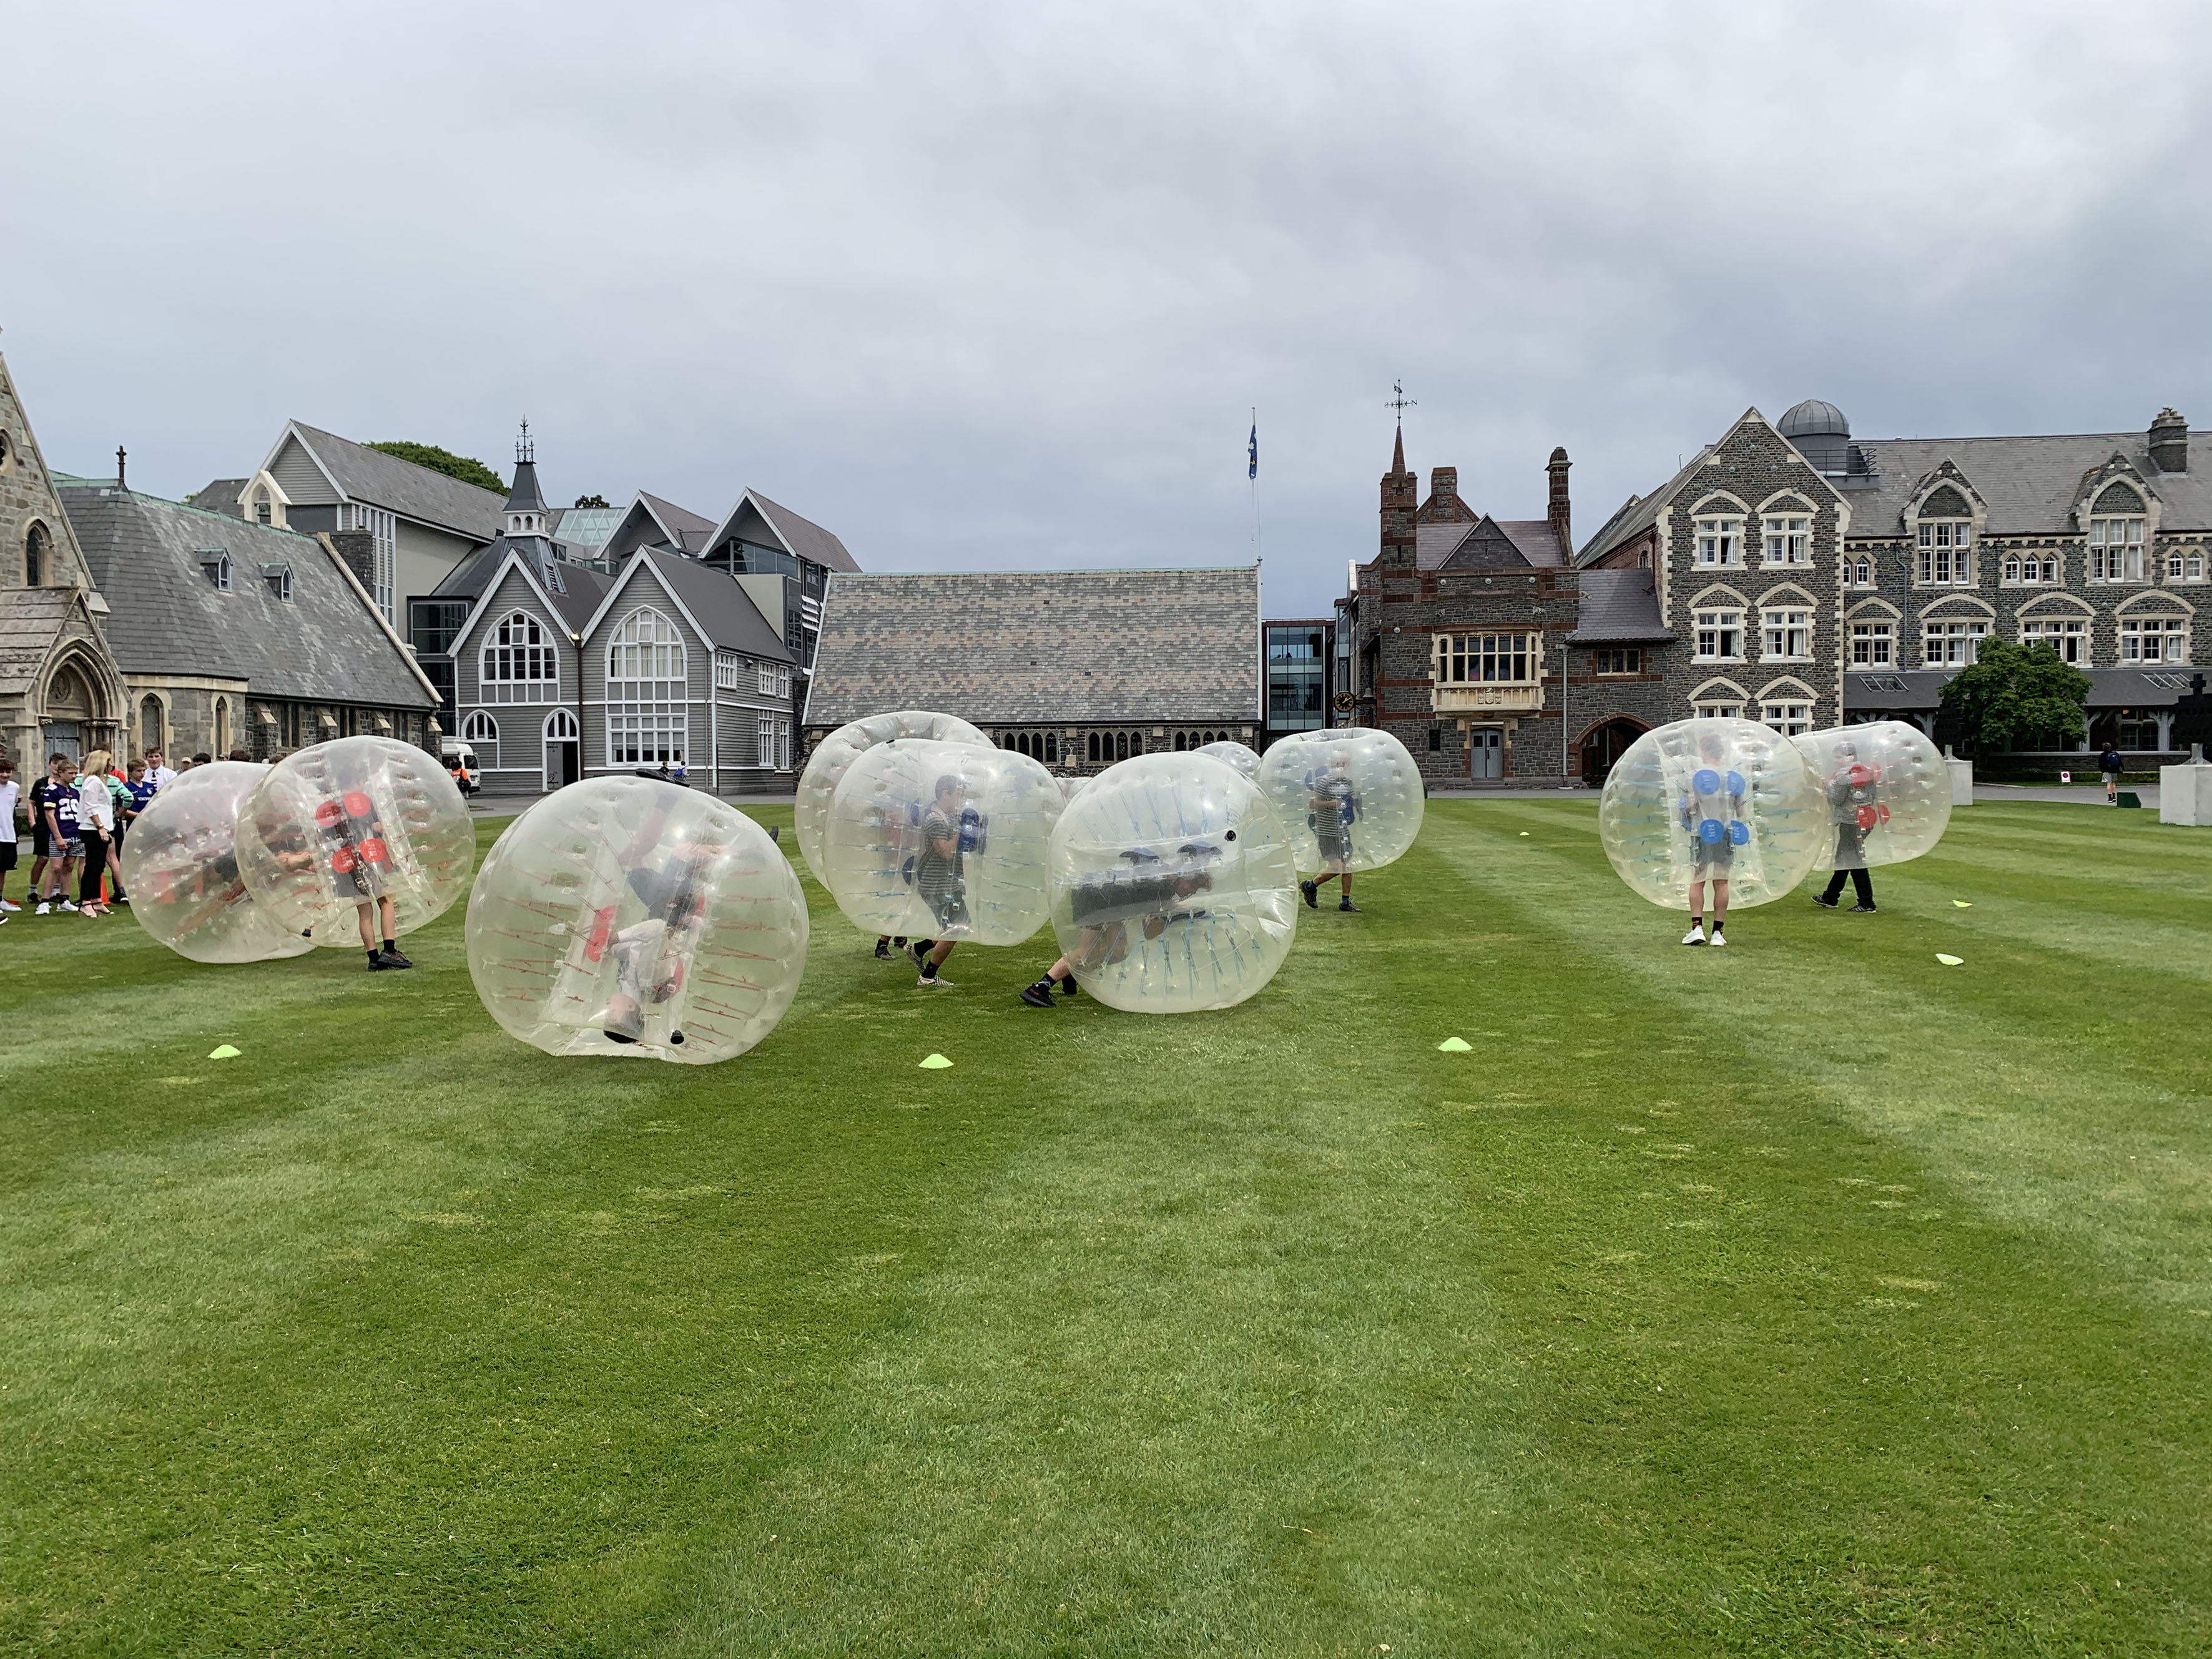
(1252, 470)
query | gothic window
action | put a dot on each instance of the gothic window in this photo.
(36, 564)
(647, 722)
(2026, 568)
(518, 664)
(2115, 547)
(2185, 565)
(481, 732)
(1944, 560)
(1857, 571)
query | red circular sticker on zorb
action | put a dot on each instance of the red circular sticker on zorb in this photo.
(342, 860)
(327, 815)
(1867, 817)
(372, 850)
(1862, 775)
(357, 804)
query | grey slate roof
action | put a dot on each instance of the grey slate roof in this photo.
(1618, 606)
(1008, 647)
(415, 492)
(2029, 483)
(165, 617)
(219, 496)
(574, 589)
(804, 537)
(1534, 538)
(524, 495)
(722, 607)
(30, 618)
(1434, 544)
(1921, 688)
(690, 529)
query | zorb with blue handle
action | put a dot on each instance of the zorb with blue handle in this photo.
(1711, 800)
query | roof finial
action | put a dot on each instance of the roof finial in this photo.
(524, 449)
(1398, 404)
(119, 456)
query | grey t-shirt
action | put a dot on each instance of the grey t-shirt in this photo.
(936, 874)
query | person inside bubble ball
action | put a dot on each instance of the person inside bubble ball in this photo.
(1333, 805)
(1149, 892)
(1711, 809)
(949, 833)
(652, 954)
(1854, 808)
(359, 860)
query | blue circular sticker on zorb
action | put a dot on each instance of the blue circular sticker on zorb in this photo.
(1735, 783)
(1709, 832)
(1739, 833)
(1705, 781)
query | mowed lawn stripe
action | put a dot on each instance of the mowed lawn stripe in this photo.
(1809, 1392)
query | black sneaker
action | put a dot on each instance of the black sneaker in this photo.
(1311, 888)
(1068, 988)
(1347, 904)
(898, 941)
(883, 950)
(1824, 900)
(393, 959)
(1038, 995)
(1861, 909)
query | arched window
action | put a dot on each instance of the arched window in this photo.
(1178, 742)
(646, 712)
(36, 561)
(149, 726)
(1120, 745)
(221, 728)
(1091, 747)
(481, 732)
(561, 726)
(519, 664)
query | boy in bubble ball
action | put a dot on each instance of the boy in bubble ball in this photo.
(361, 868)
(1711, 811)
(1331, 805)
(652, 954)
(1854, 808)
(1104, 906)
(949, 833)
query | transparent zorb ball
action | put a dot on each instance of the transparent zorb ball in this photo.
(1710, 801)
(350, 822)
(1351, 797)
(1887, 791)
(626, 916)
(1174, 888)
(1238, 757)
(942, 841)
(180, 864)
(825, 768)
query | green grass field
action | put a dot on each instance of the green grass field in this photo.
(1806, 1297)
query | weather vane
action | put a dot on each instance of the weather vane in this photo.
(1401, 403)
(522, 451)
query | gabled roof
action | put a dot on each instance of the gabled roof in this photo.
(800, 537)
(31, 620)
(649, 521)
(1638, 513)
(326, 644)
(2030, 484)
(1486, 543)
(572, 604)
(1618, 607)
(524, 495)
(553, 564)
(1006, 647)
(219, 496)
(362, 474)
(718, 610)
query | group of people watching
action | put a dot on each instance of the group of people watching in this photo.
(78, 815)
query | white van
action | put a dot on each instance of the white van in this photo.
(454, 753)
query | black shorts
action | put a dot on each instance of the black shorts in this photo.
(8, 854)
(39, 839)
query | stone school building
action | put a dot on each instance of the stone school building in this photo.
(1787, 574)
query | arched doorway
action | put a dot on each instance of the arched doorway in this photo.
(563, 750)
(68, 712)
(1605, 743)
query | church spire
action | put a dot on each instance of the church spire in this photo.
(526, 503)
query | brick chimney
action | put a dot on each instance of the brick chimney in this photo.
(1557, 514)
(2169, 442)
(1401, 492)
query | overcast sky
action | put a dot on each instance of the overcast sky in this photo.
(997, 285)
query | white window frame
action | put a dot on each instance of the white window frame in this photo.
(481, 732)
(1857, 570)
(518, 665)
(1790, 716)
(1720, 541)
(383, 528)
(1786, 632)
(1952, 641)
(1509, 658)
(1789, 538)
(1945, 553)
(764, 742)
(1873, 644)
(2167, 637)
(648, 710)
(2116, 549)
(1719, 709)
(1719, 634)
(728, 665)
(2030, 567)
(2067, 635)
(2184, 564)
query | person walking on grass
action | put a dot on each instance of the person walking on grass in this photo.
(1711, 809)
(2110, 764)
(58, 804)
(1853, 807)
(96, 817)
(1332, 805)
(11, 805)
(938, 879)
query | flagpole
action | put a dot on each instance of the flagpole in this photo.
(1254, 472)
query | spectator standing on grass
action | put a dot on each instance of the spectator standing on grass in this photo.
(34, 808)
(58, 804)
(96, 817)
(158, 771)
(2109, 764)
(138, 788)
(11, 804)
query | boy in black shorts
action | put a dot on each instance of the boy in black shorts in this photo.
(1332, 806)
(947, 836)
(361, 869)
(1104, 906)
(11, 804)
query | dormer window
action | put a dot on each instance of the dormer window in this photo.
(261, 510)
(1944, 560)
(214, 564)
(279, 577)
(1719, 542)
(2116, 549)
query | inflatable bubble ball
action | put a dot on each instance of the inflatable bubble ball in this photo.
(1240, 757)
(630, 917)
(1174, 886)
(1711, 800)
(825, 768)
(180, 864)
(1886, 790)
(942, 841)
(352, 822)
(1351, 797)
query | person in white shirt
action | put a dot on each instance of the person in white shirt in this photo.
(157, 772)
(10, 792)
(95, 814)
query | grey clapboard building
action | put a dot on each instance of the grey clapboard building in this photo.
(1079, 668)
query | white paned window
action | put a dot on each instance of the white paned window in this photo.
(646, 707)
(1719, 542)
(1943, 558)
(1718, 710)
(481, 732)
(1870, 644)
(2116, 549)
(728, 666)
(1477, 659)
(775, 679)
(2067, 635)
(766, 737)
(2184, 567)
(1788, 541)
(1951, 644)
(2153, 639)
(783, 744)
(1859, 571)
(1720, 635)
(1788, 634)
(518, 663)
(1788, 718)
(383, 550)
(2029, 569)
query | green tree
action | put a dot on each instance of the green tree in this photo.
(591, 500)
(2015, 694)
(466, 468)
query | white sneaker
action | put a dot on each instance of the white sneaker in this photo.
(63, 904)
(9, 905)
(1718, 938)
(932, 979)
(44, 910)
(1695, 935)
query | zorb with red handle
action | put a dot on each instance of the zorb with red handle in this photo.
(1889, 793)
